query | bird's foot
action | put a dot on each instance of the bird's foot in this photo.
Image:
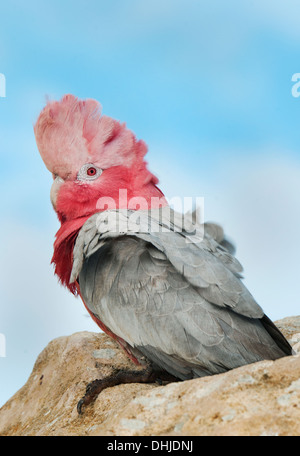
(95, 387)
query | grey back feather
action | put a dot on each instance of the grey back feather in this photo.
(199, 257)
(171, 290)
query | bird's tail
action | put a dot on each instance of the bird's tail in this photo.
(277, 336)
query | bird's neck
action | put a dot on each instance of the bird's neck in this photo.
(144, 197)
(63, 250)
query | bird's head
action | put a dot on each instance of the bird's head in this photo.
(95, 161)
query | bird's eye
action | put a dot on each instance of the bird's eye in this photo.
(89, 172)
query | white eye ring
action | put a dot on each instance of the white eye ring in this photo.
(89, 172)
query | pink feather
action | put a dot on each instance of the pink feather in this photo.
(72, 132)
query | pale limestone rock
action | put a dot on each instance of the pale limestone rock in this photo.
(257, 399)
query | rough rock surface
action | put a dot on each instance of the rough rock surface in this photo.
(257, 399)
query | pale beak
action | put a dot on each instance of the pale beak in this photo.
(58, 181)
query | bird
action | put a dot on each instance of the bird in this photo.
(167, 288)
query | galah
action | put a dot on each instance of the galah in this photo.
(172, 298)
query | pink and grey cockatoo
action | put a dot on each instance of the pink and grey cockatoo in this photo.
(174, 301)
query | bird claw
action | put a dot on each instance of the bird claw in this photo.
(79, 406)
(95, 387)
(147, 375)
(92, 390)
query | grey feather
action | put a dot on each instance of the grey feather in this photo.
(174, 297)
(203, 262)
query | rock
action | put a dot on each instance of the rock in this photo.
(258, 399)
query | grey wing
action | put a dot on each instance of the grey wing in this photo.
(133, 288)
(205, 263)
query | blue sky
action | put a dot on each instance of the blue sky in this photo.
(207, 85)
